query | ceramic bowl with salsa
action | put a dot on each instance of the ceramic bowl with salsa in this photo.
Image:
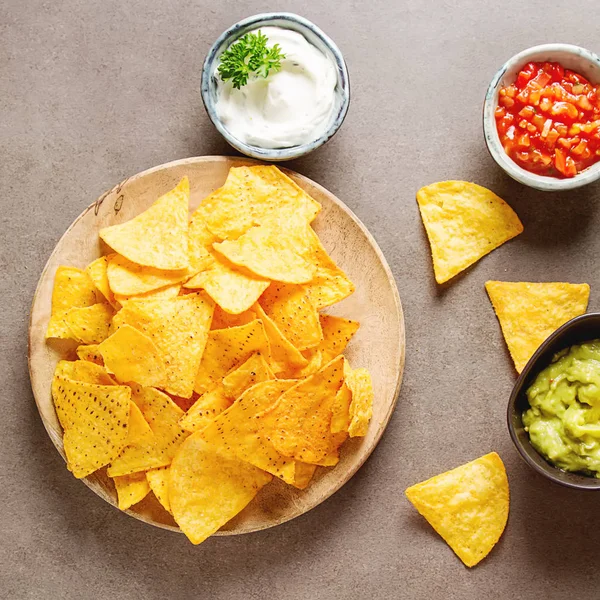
(541, 117)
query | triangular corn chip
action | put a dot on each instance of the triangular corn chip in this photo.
(158, 237)
(340, 410)
(249, 373)
(205, 409)
(87, 325)
(530, 312)
(170, 291)
(131, 489)
(467, 506)
(90, 353)
(95, 422)
(132, 356)
(361, 409)
(97, 270)
(208, 487)
(82, 370)
(138, 426)
(223, 320)
(158, 480)
(464, 222)
(179, 328)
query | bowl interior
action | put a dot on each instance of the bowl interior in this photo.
(571, 57)
(314, 36)
(578, 330)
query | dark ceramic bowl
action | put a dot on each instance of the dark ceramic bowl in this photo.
(580, 329)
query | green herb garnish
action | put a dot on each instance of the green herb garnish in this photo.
(249, 55)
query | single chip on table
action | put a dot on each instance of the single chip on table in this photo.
(300, 421)
(179, 328)
(208, 487)
(530, 312)
(90, 353)
(129, 279)
(275, 251)
(361, 409)
(95, 422)
(158, 446)
(249, 373)
(223, 320)
(82, 370)
(132, 356)
(164, 293)
(87, 325)
(234, 290)
(158, 480)
(158, 237)
(97, 270)
(255, 195)
(290, 309)
(467, 506)
(228, 348)
(239, 430)
(131, 489)
(464, 222)
(205, 409)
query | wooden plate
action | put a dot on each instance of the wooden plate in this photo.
(378, 345)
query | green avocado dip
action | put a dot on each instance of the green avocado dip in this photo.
(564, 419)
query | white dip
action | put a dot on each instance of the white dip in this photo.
(290, 107)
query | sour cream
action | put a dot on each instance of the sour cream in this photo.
(290, 107)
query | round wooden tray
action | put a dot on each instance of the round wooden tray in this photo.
(379, 344)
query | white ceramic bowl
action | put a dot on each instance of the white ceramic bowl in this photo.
(571, 57)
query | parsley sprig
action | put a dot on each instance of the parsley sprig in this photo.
(248, 55)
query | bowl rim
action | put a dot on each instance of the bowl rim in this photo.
(550, 471)
(492, 140)
(275, 154)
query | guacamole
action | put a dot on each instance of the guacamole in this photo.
(564, 419)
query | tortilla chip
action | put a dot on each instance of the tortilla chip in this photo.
(361, 409)
(530, 312)
(97, 273)
(131, 489)
(205, 409)
(88, 325)
(132, 356)
(200, 244)
(223, 320)
(337, 332)
(251, 372)
(90, 353)
(207, 488)
(139, 428)
(329, 284)
(340, 410)
(467, 506)
(95, 422)
(81, 370)
(300, 421)
(179, 329)
(276, 252)
(171, 291)
(226, 349)
(158, 480)
(158, 237)
(464, 222)
(253, 196)
(291, 310)
(233, 290)
(128, 279)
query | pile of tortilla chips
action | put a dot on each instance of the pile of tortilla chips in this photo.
(204, 365)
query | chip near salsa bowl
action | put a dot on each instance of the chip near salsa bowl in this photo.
(117, 218)
(570, 58)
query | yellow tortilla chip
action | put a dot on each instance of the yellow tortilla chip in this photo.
(340, 410)
(81, 370)
(207, 488)
(361, 409)
(239, 430)
(329, 284)
(95, 422)
(464, 222)
(226, 349)
(128, 279)
(131, 489)
(300, 421)
(276, 252)
(97, 273)
(205, 409)
(87, 325)
(223, 320)
(139, 428)
(179, 328)
(158, 480)
(158, 237)
(171, 291)
(530, 312)
(337, 332)
(254, 196)
(157, 447)
(200, 244)
(233, 290)
(132, 356)
(291, 310)
(251, 372)
(468, 506)
(90, 353)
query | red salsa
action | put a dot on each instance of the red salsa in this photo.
(549, 120)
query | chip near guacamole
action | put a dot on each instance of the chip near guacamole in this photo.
(205, 365)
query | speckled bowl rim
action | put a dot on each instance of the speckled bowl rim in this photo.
(492, 139)
(236, 31)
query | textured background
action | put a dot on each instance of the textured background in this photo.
(91, 92)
